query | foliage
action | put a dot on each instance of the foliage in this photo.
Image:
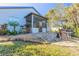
(13, 33)
(52, 18)
(71, 15)
(14, 24)
(76, 32)
(3, 32)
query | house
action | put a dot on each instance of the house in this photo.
(28, 17)
(36, 23)
(3, 27)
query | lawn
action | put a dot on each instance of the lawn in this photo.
(19, 48)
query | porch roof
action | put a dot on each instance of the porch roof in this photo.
(35, 14)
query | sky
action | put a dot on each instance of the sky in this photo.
(42, 8)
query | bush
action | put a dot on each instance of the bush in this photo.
(76, 32)
(3, 32)
(13, 33)
(7, 32)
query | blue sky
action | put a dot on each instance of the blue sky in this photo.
(44, 7)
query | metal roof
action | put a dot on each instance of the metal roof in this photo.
(18, 7)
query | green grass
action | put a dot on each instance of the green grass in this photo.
(33, 49)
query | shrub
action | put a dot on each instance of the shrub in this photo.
(13, 33)
(3, 32)
(76, 32)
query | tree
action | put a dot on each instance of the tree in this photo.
(14, 24)
(76, 17)
(52, 18)
(71, 15)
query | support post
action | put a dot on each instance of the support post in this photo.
(32, 24)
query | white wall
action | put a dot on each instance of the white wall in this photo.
(43, 29)
(35, 30)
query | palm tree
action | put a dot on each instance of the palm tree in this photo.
(14, 24)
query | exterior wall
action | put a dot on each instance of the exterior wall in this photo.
(35, 30)
(44, 29)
